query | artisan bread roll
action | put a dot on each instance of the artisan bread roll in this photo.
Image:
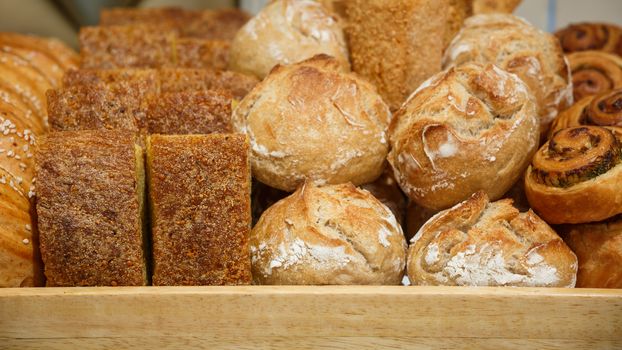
(576, 176)
(479, 243)
(598, 247)
(285, 32)
(461, 129)
(594, 72)
(328, 235)
(396, 44)
(591, 36)
(604, 109)
(312, 121)
(517, 47)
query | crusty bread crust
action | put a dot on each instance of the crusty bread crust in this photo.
(460, 130)
(312, 121)
(328, 235)
(89, 209)
(516, 46)
(286, 32)
(479, 243)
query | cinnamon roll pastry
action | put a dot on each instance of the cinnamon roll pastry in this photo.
(576, 176)
(460, 129)
(604, 110)
(594, 72)
(598, 247)
(479, 243)
(591, 36)
(516, 46)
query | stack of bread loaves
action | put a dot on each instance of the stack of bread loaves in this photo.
(29, 66)
(354, 118)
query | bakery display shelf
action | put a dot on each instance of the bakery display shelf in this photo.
(300, 317)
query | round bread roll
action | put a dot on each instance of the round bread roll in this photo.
(312, 121)
(576, 176)
(285, 32)
(594, 72)
(604, 109)
(599, 249)
(328, 235)
(479, 243)
(458, 131)
(517, 47)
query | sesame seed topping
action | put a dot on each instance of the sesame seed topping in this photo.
(28, 227)
(25, 241)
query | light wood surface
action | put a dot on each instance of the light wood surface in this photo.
(310, 317)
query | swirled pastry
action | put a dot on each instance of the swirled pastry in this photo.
(460, 129)
(517, 47)
(591, 36)
(594, 72)
(479, 243)
(328, 235)
(286, 32)
(576, 176)
(312, 121)
(604, 110)
(599, 249)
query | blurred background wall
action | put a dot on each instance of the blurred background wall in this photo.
(62, 18)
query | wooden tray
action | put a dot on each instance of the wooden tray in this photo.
(284, 317)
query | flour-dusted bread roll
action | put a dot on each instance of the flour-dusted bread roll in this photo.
(328, 235)
(482, 243)
(313, 121)
(285, 32)
(460, 130)
(599, 249)
(517, 47)
(576, 176)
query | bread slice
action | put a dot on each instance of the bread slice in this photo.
(199, 196)
(90, 190)
(193, 112)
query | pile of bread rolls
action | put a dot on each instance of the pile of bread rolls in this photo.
(455, 124)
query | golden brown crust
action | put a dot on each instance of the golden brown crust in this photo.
(56, 50)
(88, 207)
(109, 105)
(219, 24)
(591, 36)
(479, 243)
(192, 112)
(594, 72)
(395, 44)
(286, 32)
(335, 234)
(200, 53)
(519, 48)
(184, 79)
(577, 179)
(44, 65)
(20, 264)
(598, 247)
(312, 121)
(604, 109)
(126, 46)
(461, 128)
(200, 209)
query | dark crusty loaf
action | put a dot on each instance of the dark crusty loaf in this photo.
(199, 191)
(90, 189)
